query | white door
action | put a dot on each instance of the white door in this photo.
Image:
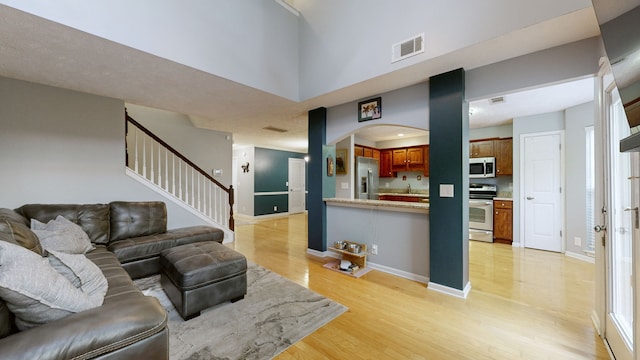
(297, 202)
(618, 235)
(542, 195)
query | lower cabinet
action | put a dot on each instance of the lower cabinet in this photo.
(404, 198)
(503, 221)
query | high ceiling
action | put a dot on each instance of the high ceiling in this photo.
(38, 50)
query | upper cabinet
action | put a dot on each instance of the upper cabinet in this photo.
(413, 158)
(408, 159)
(501, 149)
(484, 148)
(504, 156)
(386, 169)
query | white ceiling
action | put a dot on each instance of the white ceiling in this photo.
(42, 51)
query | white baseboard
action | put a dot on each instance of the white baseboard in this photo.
(580, 257)
(595, 319)
(401, 273)
(516, 245)
(449, 290)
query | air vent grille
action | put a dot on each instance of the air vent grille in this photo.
(275, 129)
(407, 48)
(496, 100)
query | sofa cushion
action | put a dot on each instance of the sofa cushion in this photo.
(34, 292)
(62, 235)
(136, 219)
(8, 214)
(93, 218)
(81, 272)
(19, 234)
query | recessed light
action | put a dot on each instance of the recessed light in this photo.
(401, 135)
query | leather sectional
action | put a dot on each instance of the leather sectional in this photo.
(128, 239)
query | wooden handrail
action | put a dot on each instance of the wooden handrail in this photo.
(229, 190)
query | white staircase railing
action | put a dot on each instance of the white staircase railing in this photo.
(157, 162)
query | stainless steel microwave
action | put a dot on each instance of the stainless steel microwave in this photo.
(483, 167)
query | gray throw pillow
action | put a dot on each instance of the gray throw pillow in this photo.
(34, 292)
(62, 235)
(81, 272)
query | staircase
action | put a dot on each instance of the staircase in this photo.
(154, 163)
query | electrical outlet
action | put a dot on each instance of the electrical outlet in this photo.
(577, 241)
(275, 208)
(374, 249)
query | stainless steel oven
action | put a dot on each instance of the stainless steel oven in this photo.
(481, 212)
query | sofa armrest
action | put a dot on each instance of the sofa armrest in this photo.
(90, 333)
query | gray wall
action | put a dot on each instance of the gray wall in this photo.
(62, 146)
(403, 246)
(407, 106)
(254, 43)
(346, 42)
(245, 180)
(208, 149)
(576, 119)
(527, 125)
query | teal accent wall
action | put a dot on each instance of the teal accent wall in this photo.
(328, 182)
(264, 204)
(271, 173)
(317, 219)
(448, 164)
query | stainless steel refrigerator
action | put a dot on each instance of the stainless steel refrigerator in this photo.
(367, 178)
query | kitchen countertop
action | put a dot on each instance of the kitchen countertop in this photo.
(503, 198)
(420, 207)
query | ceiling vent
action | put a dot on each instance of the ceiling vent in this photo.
(407, 48)
(275, 129)
(496, 100)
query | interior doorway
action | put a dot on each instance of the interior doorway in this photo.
(297, 188)
(541, 184)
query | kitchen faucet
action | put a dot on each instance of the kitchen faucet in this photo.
(409, 189)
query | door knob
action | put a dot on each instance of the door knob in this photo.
(599, 228)
(530, 198)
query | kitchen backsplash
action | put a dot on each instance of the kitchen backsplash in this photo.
(504, 183)
(410, 178)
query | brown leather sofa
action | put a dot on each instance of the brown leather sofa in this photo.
(128, 237)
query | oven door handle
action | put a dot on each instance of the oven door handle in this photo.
(480, 203)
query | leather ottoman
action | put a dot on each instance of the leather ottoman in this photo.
(199, 275)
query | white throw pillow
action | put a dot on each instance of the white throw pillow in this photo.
(34, 292)
(82, 273)
(62, 235)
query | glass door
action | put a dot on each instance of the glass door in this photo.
(618, 246)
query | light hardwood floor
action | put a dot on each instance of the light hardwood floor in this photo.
(524, 304)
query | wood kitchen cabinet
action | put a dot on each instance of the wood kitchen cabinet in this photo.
(358, 151)
(503, 221)
(425, 160)
(483, 148)
(385, 164)
(504, 156)
(408, 159)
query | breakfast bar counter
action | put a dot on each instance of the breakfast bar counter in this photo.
(400, 231)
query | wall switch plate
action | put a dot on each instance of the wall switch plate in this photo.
(344, 185)
(446, 190)
(577, 241)
(275, 208)
(374, 249)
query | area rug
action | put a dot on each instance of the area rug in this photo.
(274, 314)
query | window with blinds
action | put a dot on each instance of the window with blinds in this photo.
(590, 176)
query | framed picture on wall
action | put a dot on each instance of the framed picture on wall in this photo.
(341, 161)
(330, 165)
(370, 109)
